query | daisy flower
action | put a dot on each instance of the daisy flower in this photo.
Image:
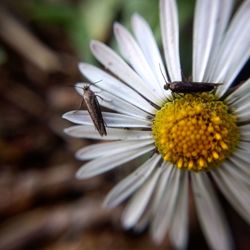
(189, 141)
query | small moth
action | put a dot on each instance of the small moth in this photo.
(190, 87)
(185, 87)
(94, 109)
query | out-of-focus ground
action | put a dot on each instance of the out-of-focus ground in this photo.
(42, 205)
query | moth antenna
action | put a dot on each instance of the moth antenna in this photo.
(168, 77)
(88, 84)
(94, 83)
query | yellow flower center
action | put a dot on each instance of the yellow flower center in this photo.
(195, 132)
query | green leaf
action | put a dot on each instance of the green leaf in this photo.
(98, 17)
(49, 12)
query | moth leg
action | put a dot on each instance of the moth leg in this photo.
(175, 95)
(80, 106)
(189, 79)
(105, 124)
(105, 100)
(98, 91)
(184, 78)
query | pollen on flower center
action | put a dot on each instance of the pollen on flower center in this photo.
(195, 132)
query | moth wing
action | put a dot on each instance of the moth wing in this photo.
(95, 112)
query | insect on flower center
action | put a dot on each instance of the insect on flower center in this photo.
(195, 132)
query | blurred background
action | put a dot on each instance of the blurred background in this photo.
(42, 205)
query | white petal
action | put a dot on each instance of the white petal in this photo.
(133, 54)
(109, 148)
(236, 193)
(179, 229)
(170, 37)
(242, 111)
(210, 214)
(131, 183)
(146, 40)
(205, 23)
(241, 161)
(112, 120)
(166, 208)
(144, 220)
(239, 97)
(240, 101)
(237, 64)
(119, 68)
(235, 49)
(245, 133)
(225, 11)
(160, 190)
(114, 86)
(242, 154)
(239, 94)
(139, 202)
(89, 132)
(242, 166)
(230, 168)
(244, 146)
(112, 102)
(106, 163)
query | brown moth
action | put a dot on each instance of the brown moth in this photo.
(185, 87)
(190, 87)
(94, 109)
